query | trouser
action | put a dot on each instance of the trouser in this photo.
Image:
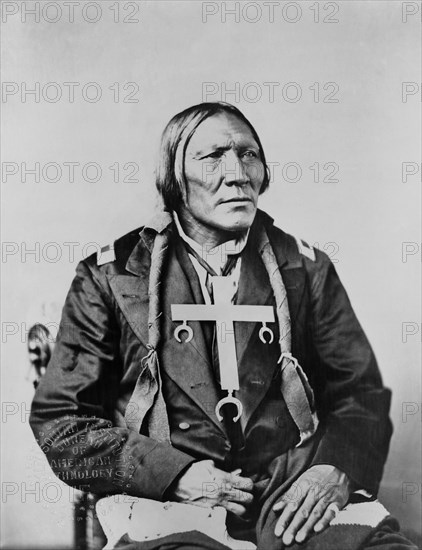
(259, 528)
(385, 537)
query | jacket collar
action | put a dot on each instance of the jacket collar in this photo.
(158, 222)
(139, 260)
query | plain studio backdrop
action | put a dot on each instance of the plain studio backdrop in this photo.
(332, 89)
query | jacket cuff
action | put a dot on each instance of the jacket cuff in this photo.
(360, 467)
(157, 470)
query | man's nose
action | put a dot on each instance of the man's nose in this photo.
(233, 170)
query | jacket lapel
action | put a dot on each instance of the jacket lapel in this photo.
(187, 364)
(131, 294)
(254, 289)
(131, 291)
(294, 276)
(294, 279)
(257, 362)
(254, 283)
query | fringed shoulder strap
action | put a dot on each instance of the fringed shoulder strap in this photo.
(295, 388)
(147, 394)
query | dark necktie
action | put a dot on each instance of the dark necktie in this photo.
(225, 271)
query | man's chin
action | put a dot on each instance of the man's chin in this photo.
(237, 222)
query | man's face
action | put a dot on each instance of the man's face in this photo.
(224, 174)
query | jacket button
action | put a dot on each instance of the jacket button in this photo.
(184, 426)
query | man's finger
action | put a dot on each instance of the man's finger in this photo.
(330, 513)
(233, 507)
(285, 518)
(244, 483)
(280, 505)
(315, 516)
(288, 506)
(236, 495)
(300, 517)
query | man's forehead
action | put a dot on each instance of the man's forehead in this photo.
(220, 130)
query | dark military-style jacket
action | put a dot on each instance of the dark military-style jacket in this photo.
(78, 413)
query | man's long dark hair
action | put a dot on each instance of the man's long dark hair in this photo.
(170, 174)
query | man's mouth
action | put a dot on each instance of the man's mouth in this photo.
(238, 199)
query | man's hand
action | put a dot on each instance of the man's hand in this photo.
(311, 503)
(205, 485)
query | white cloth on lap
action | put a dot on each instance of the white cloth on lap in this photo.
(144, 519)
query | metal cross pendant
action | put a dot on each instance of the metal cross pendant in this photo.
(224, 313)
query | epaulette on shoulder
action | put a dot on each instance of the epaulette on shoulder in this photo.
(106, 255)
(306, 249)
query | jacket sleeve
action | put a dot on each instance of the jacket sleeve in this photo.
(72, 413)
(353, 403)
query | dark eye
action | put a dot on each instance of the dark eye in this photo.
(250, 154)
(214, 155)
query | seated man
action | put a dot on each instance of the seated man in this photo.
(212, 359)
